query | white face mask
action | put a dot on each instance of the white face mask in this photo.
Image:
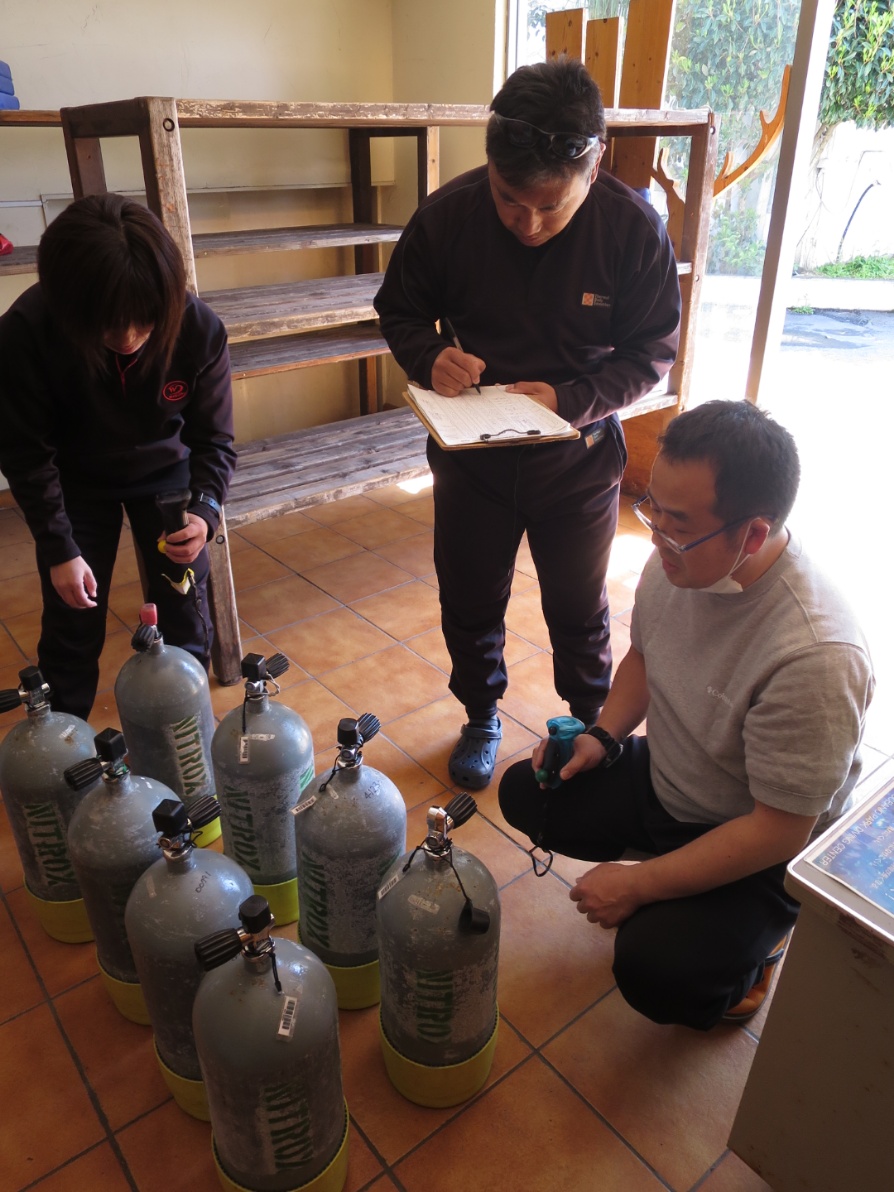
(726, 585)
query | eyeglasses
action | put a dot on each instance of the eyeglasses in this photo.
(649, 523)
(567, 146)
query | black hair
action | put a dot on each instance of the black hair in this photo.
(107, 263)
(555, 96)
(755, 460)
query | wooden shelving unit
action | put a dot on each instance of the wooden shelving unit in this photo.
(299, 324)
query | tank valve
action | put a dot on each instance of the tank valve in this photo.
(178, 828)
(253, 939)
(108, 763)
(32, 690)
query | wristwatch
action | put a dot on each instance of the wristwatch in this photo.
(205, 499)
(613, 748)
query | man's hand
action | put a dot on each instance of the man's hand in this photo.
(607, 894)
(454, 371)
(75, 583)
(539, 390)
(186, 545)
(588, 754)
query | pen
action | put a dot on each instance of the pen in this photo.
(448, 327)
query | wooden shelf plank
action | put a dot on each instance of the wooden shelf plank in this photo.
(284, 352)
(252, 312)
(324, 463)
(207, 244)
(22, 259)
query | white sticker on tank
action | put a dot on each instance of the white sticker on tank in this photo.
(299, 807)
(423, 904)
(67, 733)
(287, 1018)
(259, 737)
(244, 750)
(150, 885)
(390, 884)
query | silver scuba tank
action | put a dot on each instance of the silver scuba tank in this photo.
(181, 897)
(40, 803)
(164, 702)
(350, 827)
(263, 758)
(111, 840)
(266, 1030)
(439, 937)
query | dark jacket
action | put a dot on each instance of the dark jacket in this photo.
(594, 312)
(117, 436)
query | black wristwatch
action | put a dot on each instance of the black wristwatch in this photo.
(205, 499)
(613, 748)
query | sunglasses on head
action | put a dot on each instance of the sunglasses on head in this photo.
(567, 146)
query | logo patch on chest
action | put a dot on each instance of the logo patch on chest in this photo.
(175, 391)
(588, 299)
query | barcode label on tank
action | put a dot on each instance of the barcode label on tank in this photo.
(244, 750)
(423, 904)
(287, 1018)
(299, 807)
(389, 885)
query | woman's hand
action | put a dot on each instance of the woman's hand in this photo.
(74, 582)
(183, 546)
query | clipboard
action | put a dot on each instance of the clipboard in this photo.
(493, 418)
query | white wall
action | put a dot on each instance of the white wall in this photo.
(69, 52)
(853, 159)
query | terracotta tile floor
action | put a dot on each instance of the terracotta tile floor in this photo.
(584, 1096)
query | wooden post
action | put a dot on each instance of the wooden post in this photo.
(643, 75)
(428, 160)
(602, 52)
(226, 648)
(565, 34)
(159, 135)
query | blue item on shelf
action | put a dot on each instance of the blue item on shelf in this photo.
(6, 85)
(9, 103)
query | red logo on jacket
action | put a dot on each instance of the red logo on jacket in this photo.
(175, 391)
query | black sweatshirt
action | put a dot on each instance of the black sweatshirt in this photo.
(594, 312)
(114, 436)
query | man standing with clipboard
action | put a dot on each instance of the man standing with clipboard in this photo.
(559, 282)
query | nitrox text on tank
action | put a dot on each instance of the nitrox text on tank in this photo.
(164, 702)
(112, 840)
(439, 937)
(39, 803)
(350, 827)
(180, 898)
(266, 1030)
(263, 758)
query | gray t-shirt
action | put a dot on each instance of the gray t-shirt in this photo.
(758, 695)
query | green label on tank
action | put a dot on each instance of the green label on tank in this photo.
(434, 1004)
(314, 901)
(288, 1121)
(240, 828)
(190, 755)
(46, 834)
(306, 777)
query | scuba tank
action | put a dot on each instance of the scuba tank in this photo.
(266, 1030)
(40, 803)
(111, 840)
(439, 938)
(164, 703)
(178, 899)
(263, 759)
(350, 827)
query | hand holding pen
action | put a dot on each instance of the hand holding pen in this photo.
(454, 369)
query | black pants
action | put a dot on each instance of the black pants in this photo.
(685, 960)
(71, 639)
(565, 496)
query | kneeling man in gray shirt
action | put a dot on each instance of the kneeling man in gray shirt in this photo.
(756, 680)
